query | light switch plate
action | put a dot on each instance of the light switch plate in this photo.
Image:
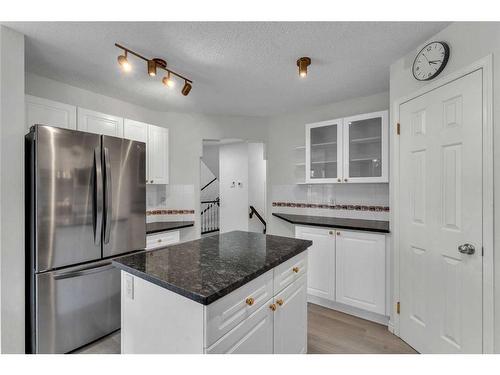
(129, 286)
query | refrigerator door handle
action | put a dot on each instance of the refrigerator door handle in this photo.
(84, 271)
(98, 197)
(108, 190)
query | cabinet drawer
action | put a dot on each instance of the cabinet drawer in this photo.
(154, 241)
(286, 273)
(252, 336)
(225, 314)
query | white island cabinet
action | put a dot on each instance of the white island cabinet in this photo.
(266, 315)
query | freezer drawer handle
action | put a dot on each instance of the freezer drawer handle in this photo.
(85, 271)
(97, 197)
(108, 188)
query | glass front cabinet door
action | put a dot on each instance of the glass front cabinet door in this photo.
(324, 151)
(366, 148)
(349, 150)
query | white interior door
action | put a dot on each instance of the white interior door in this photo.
(441, 209)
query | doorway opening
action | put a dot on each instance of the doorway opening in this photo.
(232, 186)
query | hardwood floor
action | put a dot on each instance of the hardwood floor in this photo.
(329, 332)
(333, 332)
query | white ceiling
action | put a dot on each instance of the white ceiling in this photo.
(239, 68)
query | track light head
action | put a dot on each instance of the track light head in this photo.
(186, 89)
(303, 63)
(152, 68)
(167, 81)
(123, 62)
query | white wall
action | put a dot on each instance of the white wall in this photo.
(469, 41)
(288, 131)
(233, 166)
(256, 184)
(11, 191)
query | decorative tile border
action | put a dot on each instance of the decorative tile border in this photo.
(169, 212)
(351, 207)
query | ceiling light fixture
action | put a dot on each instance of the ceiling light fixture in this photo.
(303, 63)
(124, 64)
(153, 65)
(151, 68)
(167, 81)
(187, 88)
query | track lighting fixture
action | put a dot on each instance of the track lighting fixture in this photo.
(303, 63)
(123, 62)
(186, 88)
(153, 65)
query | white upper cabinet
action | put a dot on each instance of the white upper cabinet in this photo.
(324, 151)
(99, 123)
(366, 148)
(48, 112)
(360, 270)
(348, 150)
(135, 130)
(157, 155)
(156, 139)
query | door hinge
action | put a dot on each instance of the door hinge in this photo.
(398, 128)
(398, 307)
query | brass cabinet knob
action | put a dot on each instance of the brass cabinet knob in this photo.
(159, 240)
(339, 180)
(345, 180)
(152, 181)
(280, 302)
(250, 301)
(295, 269)
(331, 232)
(272, 307)
(338, 233)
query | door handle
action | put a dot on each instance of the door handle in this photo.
(84, 271)
(109, 196)
(467, 248)
(98, 198)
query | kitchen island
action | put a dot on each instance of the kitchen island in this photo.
(237, 292)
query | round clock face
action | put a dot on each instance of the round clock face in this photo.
(430, 61)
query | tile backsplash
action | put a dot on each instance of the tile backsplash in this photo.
(363, 201)
(169, 203)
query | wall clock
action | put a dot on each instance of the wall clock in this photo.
(430, 61)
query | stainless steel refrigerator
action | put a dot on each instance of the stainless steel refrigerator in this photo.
(85, 205)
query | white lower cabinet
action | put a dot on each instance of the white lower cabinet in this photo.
(290, 319)
(346, 268)
(154, 241)
(360, 270)
(321, 260)
(252, 336)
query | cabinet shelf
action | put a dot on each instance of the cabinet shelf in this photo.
(324, 162)
(323, 144)
(365, 140)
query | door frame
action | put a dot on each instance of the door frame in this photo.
(485, 64)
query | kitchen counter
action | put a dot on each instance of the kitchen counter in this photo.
(207, 269)
(163, 226)
(336, 222)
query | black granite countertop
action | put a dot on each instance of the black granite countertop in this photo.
(163, 226)
(207, 269)
(336, 222)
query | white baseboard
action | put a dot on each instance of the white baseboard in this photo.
(390, 327)
(363, 314)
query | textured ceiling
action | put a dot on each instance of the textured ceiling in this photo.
(237, 68)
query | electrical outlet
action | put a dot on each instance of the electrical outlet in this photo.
(129, 286)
